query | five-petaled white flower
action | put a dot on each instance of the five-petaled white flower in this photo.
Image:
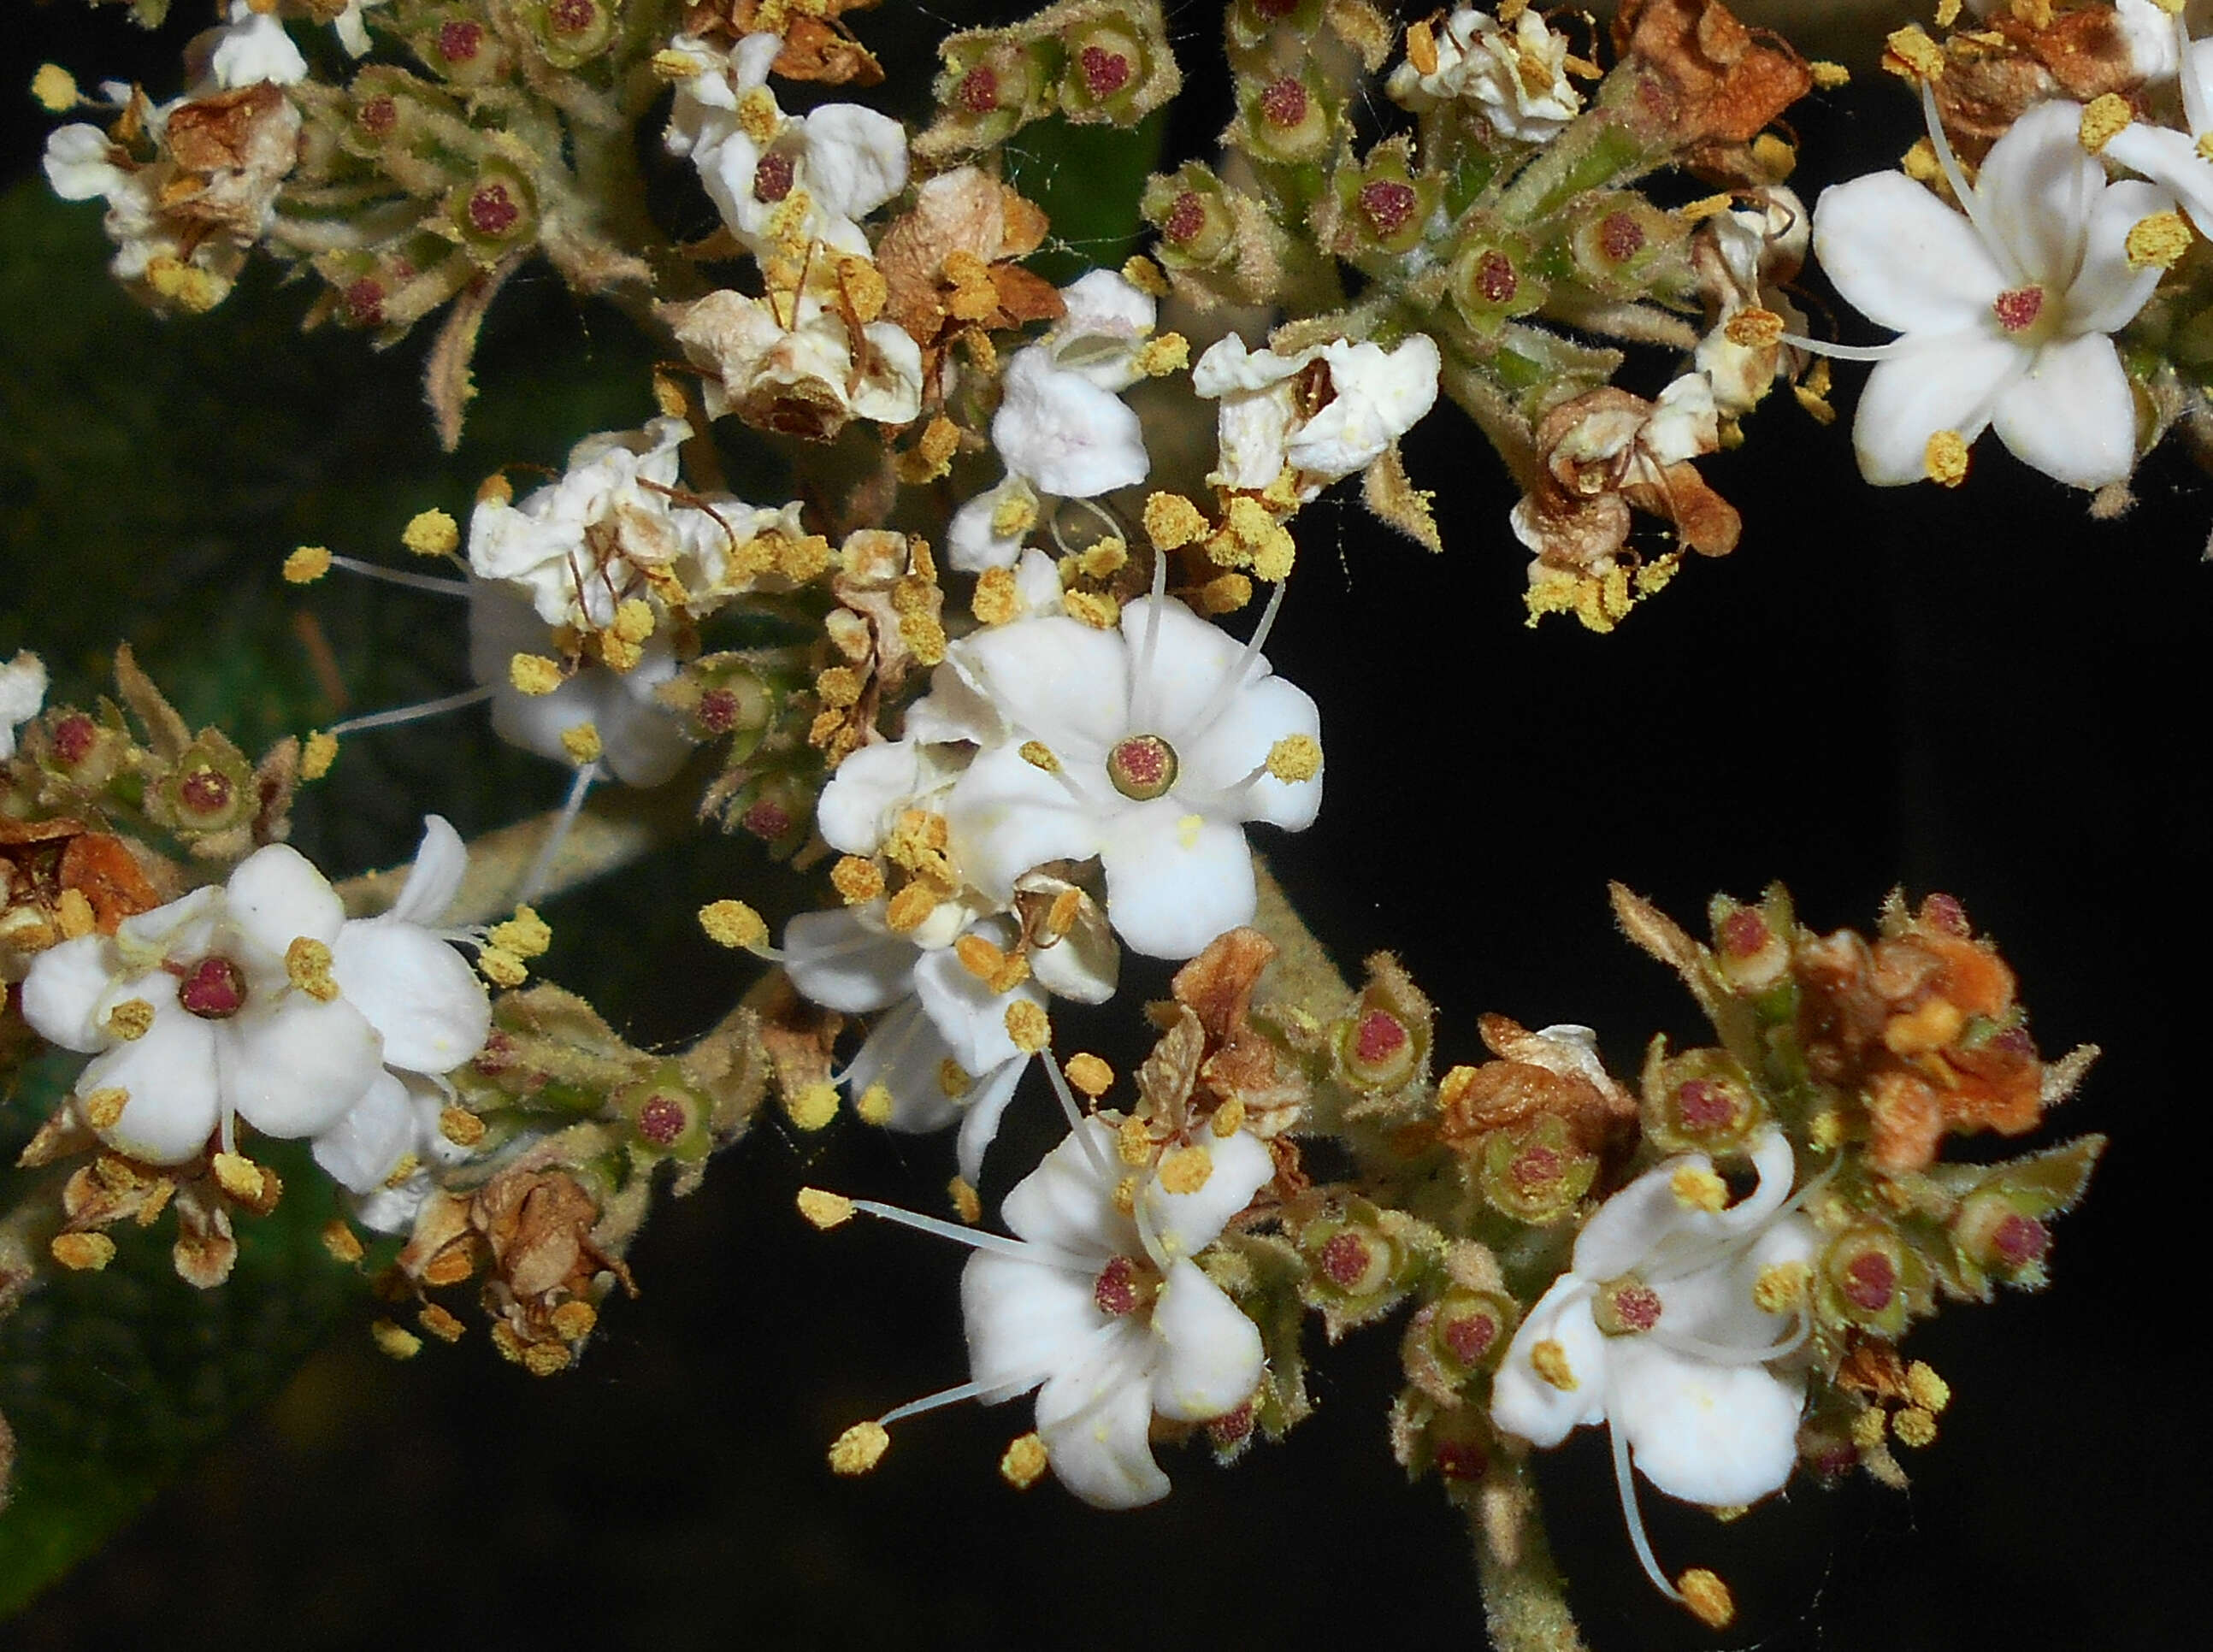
(2177, 159)
(1320, 414)
(262, 1000)
(1667, 1329)
(22, 691)
(1518, 78)
(2006, 311)
(1150, 746)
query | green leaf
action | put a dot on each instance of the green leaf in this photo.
(1089, 180)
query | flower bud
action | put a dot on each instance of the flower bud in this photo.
(1454, 1339)
(460, 49)
(1191, 213)
(1626, 247)
(1286, 117)
(1106, 64)
(1253, 23)
(1385, 207)
(1866, 1273)
(1535, 1175)
(1492, 278)
(2004, 1233)
(723, 698)
(493, 213)
(773, 807)
(666, 1115)
(82, 750)
(1752, 944)
(569, 33)
(208, 789)
(1700, 1102)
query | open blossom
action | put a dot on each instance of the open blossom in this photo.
(1668, 1328)
(251, 47)
(1150, 746)
(2006, 311)
(787, 362)
(2176, 159)
(1518, 77)
(1744, 255)
(22, 691)
(261, 1000)
(1319, 415)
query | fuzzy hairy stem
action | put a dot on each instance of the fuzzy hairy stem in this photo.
(1524, 1597)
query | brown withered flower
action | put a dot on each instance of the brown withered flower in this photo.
(1551, 1073)
(1238, 1065)
(818, 45)
(57, 879)
(1606, 452)
(1998, 72)
(1711, 84)
(950, 263)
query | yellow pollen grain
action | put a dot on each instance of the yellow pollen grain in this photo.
(341, 1241)
(1867, 1427)
(617, 654)
(859, 1449)
(1294, 758)
(73, 912)
(1060, 917)
(83, 1252)
(526, 934)
(758, 118)
(980, 957)
(1186, 1169)
(1945, 458)
(574, 1319)
(1925, 1388)
(1708, 1598)
(1095, 608)
(460, 1126)
(634, 620)
(1914, 1427)
(941, 440)
(502, 967)
(308, 966)
(1753, 328)
(924, 636)
(733, 923)
(1912, 55)
(1133, 1144)
(952, 1079)
(864, 288)
(533, 674)
(431, 533)
(996, 601)
(855, 879)
(1170, 353)
(1038, 755)
(965, 1204)
(130, 1019)
(671, 64)
(875, 1105)
(1125, 1195)
(1228, 1118)
(1088, 1074)
(811, 1105)
(838, 686)
(1145, 276)
(1550, 1360)
(393, 1342)
(2158, 242)
(823, 1210)
(1781, 1286)
(316, 757)
(1697, 1189)
(55, 89)
(1828, 76)
(1773, 156)
(2104, 119)
(1103, 560)
(1422, 48)
(1023, 1463)
(1224, 593)
(1028, 1027)
(399, 1174)
(103, 1109)
(1172, 520)
(803, 559)
(307, 564)
(910, 908)
(1011, 974)
(439, 1322)
(185, 285)
(1948, 13)
(582, 743)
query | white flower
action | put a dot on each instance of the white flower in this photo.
(1277, 415)
(704, 111)
(261, 1000)
(22, 691)
(786, 362)
(253, 47)
(1656, 1331)
(1745, 255)
(1519, 80)
(352, 31)
(1149, 746)
(2005, 311)
(2174, 158)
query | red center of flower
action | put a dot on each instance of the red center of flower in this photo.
(573, 17)
(1104, 72)
(2015, 1041)
(718, 710)
(1387, 204)
(213, 989)
(1743, 933)
(1142, 767)
(1636, 1306)
(1469, 1337)
(1272, 9)
(73, 738)
(1535, 1166)
(1380, 1036)
(1186, 218)
(1869, 1279)
(1620, 237)
(1944, 912)
(1495, 278)
(1461, 1459)
(1283, 104)
(460, 42)
(1116, 1291)
(1346, 1258)
(1702, 1106)
(203, 791)
(1230, 1427)
(979, 90)
(660, 1120)
(2021, 1240)
(773, 178)
(2017, 310)
(766, 819)
(492, 210)
(378, 115)
(365, 302)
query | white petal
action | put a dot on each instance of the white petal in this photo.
(1379, 398)
(1933, 383)
(169, 1075)
(1175, 879)
(1096, 1421)
(1067, 1204)
(840, 963)
(367, 1143)
(1211, 1358)
(985, 1105)
(969, 1016)
(1082, 965)
(66, 993)
(1524, 1404)
(1190, 665)
(416, 990)
(275, 897)
(1024, 1321)
(1056, 679)
(856, 158)
(1065, 433)
(2072, 415)
(1181, 1225)
(1257, 716)
(77, 163)
(1228, 367)
(904, 1054)
(644, 741)
(255, 48)
(295, 1069)
(1716, 1434)
(1903, 259)
(442, 860)
(2107, 293)
(869, 789)
(2037, 187)
(1005, 816)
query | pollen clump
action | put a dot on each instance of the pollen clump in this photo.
(1172, 520)
(1089, 1075)
(83, 1252)
(733, 923)
(1914, 1427)
(431, 533)
(2158, 242)
(1025, 1460)
(1925, 1388)
(859, 1449)
(316, 757)
(1551, 1360)
(1945, 458)
(965, 1204)
(811, 1107)
(1699, 1188)
(1028, 1027)
(823, 1210)
(307, 564)
(1186, 1170)
(875, 1105)
(1294, 758)
(103, 1109)
(2104, 119)
(1708, 1598)
(395, 1343)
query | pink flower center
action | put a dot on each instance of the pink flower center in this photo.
(1620, 237)
(1631, 1307)
(213, 989)
(1461, 1459)
(766, 819)
(2017, 310)
(573, 17)
(1702, 1106)
(1142, 767)
(492, 210)
(73, 738)
(365, 302)
(1379, 1037)
(1104, 72)
(773, 178)
(1534, 1167)
(1348, 1261)
(204, 792)
(1116, 1290)
(2021, 1240)
(1283, 104)
(1743, 933)
(1869, 1280)
(1495, 278)
(660, 1120)
(1387, 204)
(1186, 218)
(1469, 1337)
(979, 90)
(378, 115)
(460, 42)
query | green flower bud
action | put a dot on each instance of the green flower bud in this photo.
(569, 33)
(1286, 117)
(1700, 1102)
(494, 213)
(1191, 210)
(1493, 278)
(460, 49)
(209, 788)
(1385, 207)
(1536, 1174)
(666, 1115)
(1625, 247)
(1106, 64)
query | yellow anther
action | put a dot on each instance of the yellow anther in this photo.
(84, 1252)
(446, 1328)
(1104, 559)
(431, 533)
(802, 559)
(1172, 520)
(1781, 1286)
(1089, 1075)
(1550, 1360)
(1024, 1461)
(965, 1204)
(980, 957)
(2104, 119)
(859, 1449)
(502, 967)
(55, 89)
(130, 1019)
(1753, 328)
(308, 966)
(574, 1319)
(839, 686)
(1867, 1427)
(341, 1241)
(460, 1126)
(1228, 1118)
(103, 1109)
(875, 1106)
(1931, 1026)
(1170, 353)
(1829, 76)
(671, 64)
(1826, 1130)
(826, 1211)
(1708, 1598)
(1948, 13)
(1125, 1195)
(581, 743)
(393, 1342)
(855, 879)
(1925, 1388)
(996, 601)
(2158, 242)
(1145, 276)
(1038, 755)
(1294, 758)
(1095, 608)
(1914, 1427)
(758, 118)
(2204, 145)
(1186, 1169)
(1771, 155)
(1945, 458)
(1015, 514)
(864, 288)
(1699, 1188)
(634, 620)
(307, 564)
(733, 923)
(1422, 48)
(953, 1079)
(185, 285)
(316, 756)
(1028, 1025)
(239, 1177)
(924, 636)
(1912, 55)
(1011, 974)
(1131, 1142)
(1224, 593)
(811, 1105)
(73, 912)
(910, 908)
(526, 934)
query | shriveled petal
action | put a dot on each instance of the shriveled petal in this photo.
(838, 961)
(1057, 680)
(1228, 367)
(2107, 293)
(1932, 384)
(1005, 816)
(869, 788)
(1210, 1357)
(985, 1105)
(275, 897)
(415, 991)
(1717, 1434)
(1082, 965)
(169, 1078)
(2072, 415)
(66, 993)
(295, 1069)
(1024, 1321)
(182, 931)
(1903, 259)
(1065, 433)
(77, 163)
(1379, 396)
(904, 1054)
(1096, 1421)
(1068, 1205)
(1217, 765)
(1181, 1225)
(1175, 879)
(969, 1016)
(2037, 187)
(442, 860)
(856, 158)
(366, 1144)
(1531, 1407)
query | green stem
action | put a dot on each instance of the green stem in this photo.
(1525, 1604)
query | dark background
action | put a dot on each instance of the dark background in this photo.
(1981, 692)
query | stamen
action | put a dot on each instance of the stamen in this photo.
(2194, 109)
(1970, 202)
(400, 714)
(1140, 697)
(1841, 352)
(1235, 680)
(541, 869)
(1626, 1485)
(398, 576)
(1022, 1250)
(932, 1402)
(1713, 1353)
(1076, 1121)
